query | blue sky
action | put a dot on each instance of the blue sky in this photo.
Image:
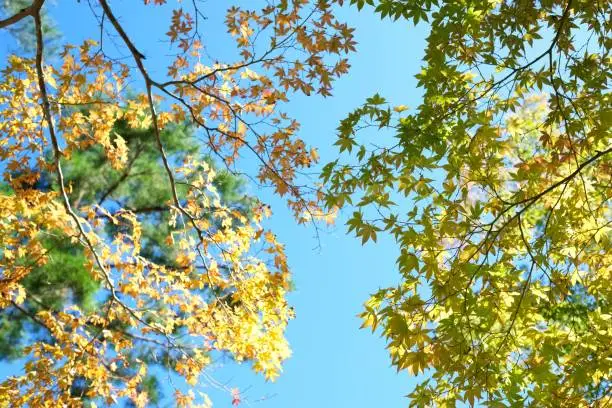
(334, 363)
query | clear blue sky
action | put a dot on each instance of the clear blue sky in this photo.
(334, 363)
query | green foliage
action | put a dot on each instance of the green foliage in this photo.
(497, 192)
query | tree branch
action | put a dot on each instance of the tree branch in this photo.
(23, 13)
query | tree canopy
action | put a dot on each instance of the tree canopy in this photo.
(127, 243)
(106, 194)
(496, 189)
